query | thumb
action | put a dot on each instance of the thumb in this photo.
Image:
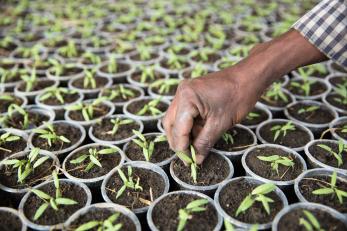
(205, 140)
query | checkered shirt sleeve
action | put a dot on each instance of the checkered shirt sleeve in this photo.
(325, 26)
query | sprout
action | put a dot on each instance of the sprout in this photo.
(6, 97)
(8, 75)
(93, 156)
(258, 194)
(308, 109)
(342, 94)
(57, 67)
(202, 54)
(7, 137)
(128, 182)
(57, 93)
(199, 70)
(112, 65)
(275, 93)
(26, 166)
(310, 222)
(338, 155)
(144, 52)
(228, 138)
(174, 61)
(106, 225)
(93, 58)
(30, 81)
(186, 213)
(120, 90)
(49, 201)
(117, 123)
(12, 109)
(150, 107)
(89, 80)
(252, 115)
(165, 85)
(240, 51)
(147, 72)
(227, 62)
(50, 135)
(277, 160)
(278, 129)
(305, 86)
(70, 50)
(191, 161)
(87, 109)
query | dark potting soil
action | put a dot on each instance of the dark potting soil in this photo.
(9, 176)
(39, 85)
(7, 65)
(102, 130)
(339, 128)
(108, 162)
(333, 100)
(69, 71)
(243, 139)
(291, 220)
(212, 171)
(9, 221)
(338, 68)
(161, 151)
(100, 82)
(264, 169)
(172, 91)
(70, 132)
(35, 120)
(165, 214)
(68, 98)
(102, 214)
(4, 104)
(99, 111)
(233, 194)
(262, 116)
(119, 98)
(316, 88)
(327, 158)
(136, 106)
(320, 116)
(121, 68)
(275, 103)
(338, 80)
(51, 216)
(290, 140)
(309, 184)
(9, 148)
(137, 57)
(151, 182)
(137, 77)
(211, 58)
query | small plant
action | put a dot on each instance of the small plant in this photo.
(174, 61)
(147, 146)
(202, 54)
(228, 138)
(191, 160)
(305, 85)
(342, 94)
(57, 92)
(7, 137)
(50, 201)
(150, 107)
(332, 189)
(120, 90)
(314, 68)
(89, 80)
(165, 85)
(199, 70)
(186, 213)
(308, 109)
(70, 50)
(252, 115)
(112, 65)
(7, 97)
(30, 81)
(147, 72)
(128, 182)
(227, 62)
(57, 67)
(282, 129)
(144, 52)
(105, 225)
(338, 155)
(117, 123)
(309, 221)
(275, 93)
(8, 75)
(258, 194)
(88, 109)
(93, 155)
(8, 119)
(276, 161)
(91, 57)
(26, 166)
(240, 51)
(50, 135)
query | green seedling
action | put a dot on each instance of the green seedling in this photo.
(174, 61)
(202, 54)
(147, 146)
(147, 73)
(227, 62)
(198, 70)
(89, 80)
(91, 57)
(112, 65)
(9, 75)
(277, 160)
(57, 67)
(252, 116)
(104, 225)
(8, 119)
(186, 213)
(258, 194)
(145, 52)
(117, 122)
(309, 221)
(282, 129)
(93, 157)
(128, 182)
(312, 108)
(5, 138)
(275, 93)
(332, 189)
(120, 90)
(150, 107)
(165, 85)
(240, 51)
(70, 50)
(305, 85)
(338, 155)
(228, 138)
(51, 201)
(7, 97)
(191, 160)
(57, 93)
(342, 94)
(50, 135)
(87, 109)
(30, 81)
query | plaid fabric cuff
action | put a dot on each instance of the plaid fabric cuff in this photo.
(325, 26)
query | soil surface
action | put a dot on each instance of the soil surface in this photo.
(137, 77)
(309, 184)
(263, 169)
(332, 99)
(233, 194)
(211, 58)
(290, 221)
(151, 182)
(161, 151)
(121, 68)
(338, 68)
(69, 71)
(137, 57)
(136, 106)
(9, 176)
(339, 128)
(102, 214)
(212, 171)
(70, 132)
(327, 158)
(243, 139)
(275, 103)
(68, 98)
(165, 214)
(35, 120)
(39, 85)
(172, 91)
(9, 148)
(99, 111)
(108, 162)
(4, 104)
(119, 98)
(336, 80)
(320, 116)
(290, 140)
(100, 82)
(316, 88)
(9, 221)
(262, 116)
(102, 130)
(51, 216)
(184, 51)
